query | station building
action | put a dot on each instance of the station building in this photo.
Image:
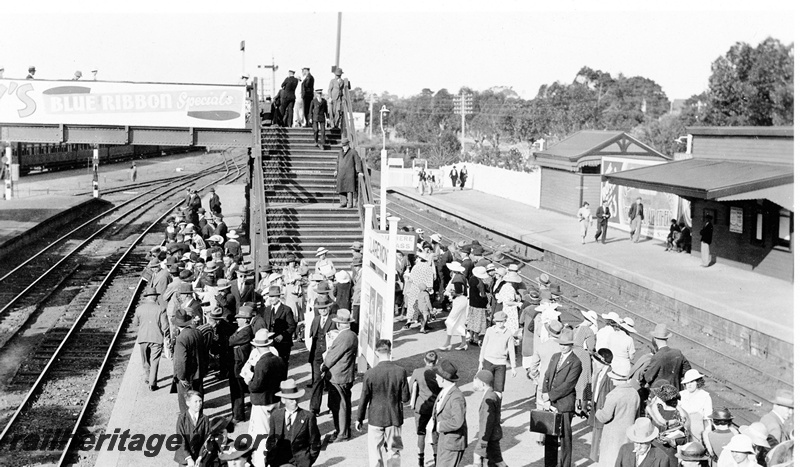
(743, 177)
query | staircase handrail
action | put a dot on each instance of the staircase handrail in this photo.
(258, 212)
(364, 184)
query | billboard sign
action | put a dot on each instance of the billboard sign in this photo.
(122, 104)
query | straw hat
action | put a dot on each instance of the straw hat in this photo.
(289, 390)
(262, 338)
(554, 328)
(513, 277)
(480, 272)
(757, 432)
(740, 443)
(612, 316)
(691, 375)
(642, 431)
(321, 251)
(455, 266)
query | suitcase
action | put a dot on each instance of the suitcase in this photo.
(546, 422)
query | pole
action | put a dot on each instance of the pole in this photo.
(338, 37)
(273, 77)
(371, 102)
(7, 163)
(95, 164)
(463, 122)
(384, 173)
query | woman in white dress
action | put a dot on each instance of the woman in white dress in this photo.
(696, 402)
(510, 299)
(456, 321)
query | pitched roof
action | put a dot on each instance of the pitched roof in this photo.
(586, 147)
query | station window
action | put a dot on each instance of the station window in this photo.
(785, 228)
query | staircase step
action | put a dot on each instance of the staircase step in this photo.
(300, 187)
(301, 179)
(296, 131)
(342, 222)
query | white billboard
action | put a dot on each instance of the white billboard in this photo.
(122, 104)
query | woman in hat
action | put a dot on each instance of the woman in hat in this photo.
(457, 318)
(323, 264)
(668, 417)
(721, 432)
(293, 289)
(758, 434)
(171, 231)
(696, 402)
(509, 298)
(478, 302)
(343, 290)
(738, 452)
(421, 274)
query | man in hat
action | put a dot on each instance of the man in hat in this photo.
(618, 412)
(222, 227)
(151, 321)
(601, 386)
(779, 420)
(341, 362)
(384, 391)
(602, 215)
(31, 72)
(347, 169)
(558, 391)
(706, 236)
(293, 434)
(318, 113)
(240, 344)
(214, 204)
(233, 247)
(320, 327)
(161, 277)
(542, 354)
(336, 95)
(635, 218)
(307, 94)
(668, 364)
(449, 434)
(498, 352)
(490, 431)
(288, 89)
(190, 358)
(641, 452)
(268, 373)
(355, 306)
(692, 455)
(280, 321)
(243, 289)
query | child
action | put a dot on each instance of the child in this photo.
(424, 391)
(487, 450)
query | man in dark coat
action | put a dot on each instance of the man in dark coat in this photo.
(558, 390)
(454, 176)
(307, 93)
(641, 452)
(602, 215)
(349, 166)
(319, 329)
(667, 363)
(268, 373)
(151, 321)
(293, 434)
(190, 358)
(288, 89)
(239, 343)
(449, 435)
(385, 390)
(341, 362)
(706, 235)
(243, 289)
(214, 204)
(222, 227)
(279, 319)
(193, 428)
(318, 113)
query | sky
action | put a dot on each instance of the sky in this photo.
(399, 47)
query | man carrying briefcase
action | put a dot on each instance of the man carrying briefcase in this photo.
(558, 392)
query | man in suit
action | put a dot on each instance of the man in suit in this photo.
(454, 176)
(214, 204)
(641, 452)
(151, 321)
(636, 216)
(280, 321)
(243, 289)
(706, 236)
(288, 90)
(307, 93)
(193, 428)
(667, 363)
(602, 215)
(240, 345)
(558, 393)
(293, 434)
(320, 327)
(449, 434)
(190, 358)
(268, 373)
(341, 362)
(318, 113)
(385, 390)
(336, 95)
(161, 276)
(779, 420)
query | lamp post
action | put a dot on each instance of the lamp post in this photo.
(384, 172)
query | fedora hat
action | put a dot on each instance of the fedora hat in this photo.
(216, 313)
(603, 356)
(274, 291)
(611, 316)
(740, 443)
(590, 315)
(757, 432)
(262, 338)
(692, 452)
(322, 302)
(321, 251)
(627, 324)
(567, 337)
(783, 397)
(691, 375)
(181, 318)
(210, 267)
(642, 431)
(455, 266)
(149, 291)
(554, 328)
(543, 279)
(223, 284)
(342, 277)
(480, 272)
(323, 288)
(289, 390)
(660, 332)
(216, 239)
(232, 234)
(447, 371)
(343, 316)
(243, 270)
(500, 316)
(245, 312)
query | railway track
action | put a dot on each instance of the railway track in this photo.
(747, 403)
(63, 374)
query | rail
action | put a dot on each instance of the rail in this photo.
(364, 183)
(259, 250)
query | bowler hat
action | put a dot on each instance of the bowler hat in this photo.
(642, 431)
(447, 371)
(692, 452)
(721, 414)
(289, 390)
(604, 356)
(660, 332)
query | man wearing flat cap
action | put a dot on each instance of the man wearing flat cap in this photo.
(151, 321)
(347, 170)
(288, 87)
(307, 94)
(318, 113)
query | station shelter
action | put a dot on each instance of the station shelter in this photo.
(743, 177)
(571, 169)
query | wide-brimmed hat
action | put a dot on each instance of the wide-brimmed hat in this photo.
(274, 291)
(436, 238)
(245, 312)
(323, 288)
(343, 316)
(642, 431)
(757, 432)
(603, 356)
(660, 332)
(740, 443)
(612, 316)
(543, 279)
(692, 452)
(223, 284)
(691, 375)
(513, 277)
(316, 277)
(480, 272)
(273, 277)
(455, 266)
(567, 337)
(500, 316)
(590, 315)
(241, 447)
(627, 324)
(210, 267)
(216, 239)
(447, 370)
(342, 277)
(289, 390)
(554, 328)
(181, 318)
(321, 251)
(262, 338)
(322, 301)
(243, 270)
(232, 234)
(783, 397)
(216, 313)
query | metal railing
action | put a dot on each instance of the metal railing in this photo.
(349, 128)
(258, 211)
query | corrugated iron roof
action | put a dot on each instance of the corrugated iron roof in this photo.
(781, 195)
(705, 178)
(580, 143)
(782, 131)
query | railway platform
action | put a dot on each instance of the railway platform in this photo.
(750, 302)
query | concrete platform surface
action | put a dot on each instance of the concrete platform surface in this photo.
(21, 215)
(735, 294)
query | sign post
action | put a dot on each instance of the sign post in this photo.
(7, 170)
(377, 290)
(95, 164)
(384, 172)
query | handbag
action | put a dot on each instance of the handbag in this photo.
(546, 422)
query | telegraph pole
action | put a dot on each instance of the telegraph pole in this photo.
(338, 39)
(272, 67)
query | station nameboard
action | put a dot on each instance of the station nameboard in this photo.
(405, 243)
(122, 104)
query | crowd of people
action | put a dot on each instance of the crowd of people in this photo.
(209, 313)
